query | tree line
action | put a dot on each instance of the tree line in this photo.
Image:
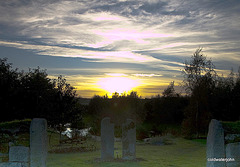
(33, 94)
(208, 95)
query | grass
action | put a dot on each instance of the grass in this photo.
(203, 141)
(179, 153)
(182, 153)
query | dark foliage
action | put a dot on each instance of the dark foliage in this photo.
(211, 96)
(164, 111)
(32, 94)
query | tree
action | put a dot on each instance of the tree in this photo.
(236, 97)
(170, 91)
(95, 113)
(66, 107)
(197, 71)
(199, 82)
(8, 93)
(225, 101)
(35, 93)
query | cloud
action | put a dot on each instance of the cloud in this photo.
(116, 74)
(147, 75)
(151, 34)
(142, 24)
(95, 56)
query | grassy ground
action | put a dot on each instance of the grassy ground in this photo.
(182, 153)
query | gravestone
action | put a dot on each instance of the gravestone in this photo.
(38, 142)
(233, 151)
(19, 154)
(129, 140)
(107, 139)
(215, 144)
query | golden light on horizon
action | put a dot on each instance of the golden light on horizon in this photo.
(118, 84)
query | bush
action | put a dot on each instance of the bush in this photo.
(188, 131)
(231, 127)
(142, 131)
(23, 125)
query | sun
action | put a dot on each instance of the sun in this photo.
(117, 84)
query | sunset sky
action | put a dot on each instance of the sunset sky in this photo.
(102, 46)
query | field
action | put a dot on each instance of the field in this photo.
(181, 153)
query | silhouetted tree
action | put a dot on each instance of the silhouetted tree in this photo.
(164, 111)
(32, 94)
(36, 93)
(170, 91)
(236, 97)
(199, 81)
(66, 107)
(225, 100)
(94, 114)
(9, 81)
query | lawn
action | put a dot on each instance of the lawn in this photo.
(182, 153)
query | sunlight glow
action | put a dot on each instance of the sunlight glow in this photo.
(118, 84)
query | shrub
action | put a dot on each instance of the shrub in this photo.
(142, 131)
(231, 127)
(23, 125)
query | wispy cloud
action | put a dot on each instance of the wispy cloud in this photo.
(156, 35)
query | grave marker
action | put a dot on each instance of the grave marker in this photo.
(129, 140)
(38, 142)
(233, 152)
(215, 144)
(107, 139)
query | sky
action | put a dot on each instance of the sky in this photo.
(102, 46)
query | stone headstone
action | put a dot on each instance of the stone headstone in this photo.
(129, 140)
(215, 144)
(18, 154)
(233, 152)
(107, 139)
(38, 142)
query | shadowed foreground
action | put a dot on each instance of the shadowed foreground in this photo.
(182, 153)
